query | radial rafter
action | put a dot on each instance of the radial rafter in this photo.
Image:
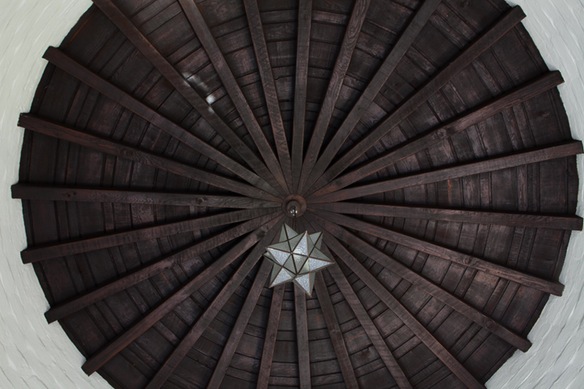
(486, 166)
(486, 41)
(75, 69)
(407, 318)
(366, 98)
(124, 282)
(511, 219)
(271, 337)
(302, 343)
(334, 88)
(114, 195)
(49, 251)
(258, 39)
(97, 360)
(454, 256)
(441, 133)
(118, 149)
(193, 97)
(214, 308)
(420, 282)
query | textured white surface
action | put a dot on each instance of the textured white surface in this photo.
(37, 355)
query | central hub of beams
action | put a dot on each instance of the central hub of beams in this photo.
(294, 206)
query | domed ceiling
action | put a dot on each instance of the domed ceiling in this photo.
(169, 141)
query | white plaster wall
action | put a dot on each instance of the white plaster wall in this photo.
(34, 354)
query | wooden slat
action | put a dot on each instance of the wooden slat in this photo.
(270, 339)
(403, 44)
(462, 259)
(303, 348)
(118, 149)
(233, 89)
(486, 41)
(449, 173)
(420, 282)
(270, 172)
(205, 320)
(405, 316)
(75, 69)
(372, 331)
(113, 195)
(456, 215)
(99, 359)
(269, 86)
(441, 133)
(240, 325)
(334, 88)
(300, 88)
(335, 332)
(49, 251)
(63, 310)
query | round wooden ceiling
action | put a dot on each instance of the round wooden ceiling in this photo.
(168, 141)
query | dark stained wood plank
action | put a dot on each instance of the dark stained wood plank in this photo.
(303, 349)
(63, 310)
(300, 89)
(203, 322)
(439, 134)
(403, 44)
(75, 69)
(479, 46)
(456, 215)
(470, 261)
(464, 170)
(405, 316)
(112, 195)
(372, 331)
(335, 332)
(269, 86)
(99, 359)
(49, 251)
(334, 88)
(241, 323)
(233, 89)
(191, 95)
(422, 283)
(118, 149)
(270, 339)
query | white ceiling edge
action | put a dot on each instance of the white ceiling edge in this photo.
(35, 354)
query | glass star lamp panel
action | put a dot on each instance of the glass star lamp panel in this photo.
(296, 258)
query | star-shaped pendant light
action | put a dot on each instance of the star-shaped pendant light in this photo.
(296, 258)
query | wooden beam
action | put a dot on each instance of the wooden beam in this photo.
(75, 69)
(113, 195)
(269, 86)
(334, 88)
(99, 359)
(421, 282)
(300, 89)
(335, 332)
(302, 345)
(205, 320)
(459, 258)
(405, 316)
(56, 250)
(120, 150)
(63, 310)
(372, 331)
(386, 69)
(479, 46)
(270, 339)
(240, 325)
(455, 215)
(270, 172)
(486, 166)
(441, 133)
